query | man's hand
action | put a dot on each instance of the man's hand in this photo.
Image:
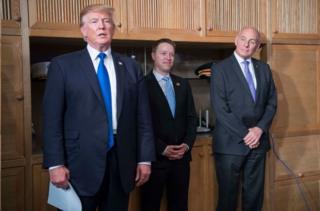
(143, 174)
(252, 139)
(60, 176)
(175, 152)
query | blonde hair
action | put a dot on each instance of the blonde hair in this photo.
(97, 8)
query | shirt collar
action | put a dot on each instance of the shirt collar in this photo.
(240, 59)
(159, 76)
(94, 52)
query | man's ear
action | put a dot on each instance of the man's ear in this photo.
(153, 56)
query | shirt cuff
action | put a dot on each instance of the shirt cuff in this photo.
(145, 163)
(54, 167)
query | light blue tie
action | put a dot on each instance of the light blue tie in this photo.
(249, 79)
(169, 92)
(104, 82)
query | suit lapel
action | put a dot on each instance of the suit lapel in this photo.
(236, 67)
(257, 73)
(158, 93)
(120, 75)
(90, 73)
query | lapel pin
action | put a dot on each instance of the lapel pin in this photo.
(120, 63)
(177, 84)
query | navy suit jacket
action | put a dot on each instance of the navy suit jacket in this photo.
(235, 109)
(169, 130)
(75, 122)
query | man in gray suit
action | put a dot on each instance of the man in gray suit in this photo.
(244, 101)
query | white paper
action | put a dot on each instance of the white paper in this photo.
(64, 199)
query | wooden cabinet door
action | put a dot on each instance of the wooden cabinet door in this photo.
(295, 20)
(57, 18)
(12, 189)
(201, 181)
(10, 17)
(175, 19)
(225, 18)
(40, 184)
(12, 99)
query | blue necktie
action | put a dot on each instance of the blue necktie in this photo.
(169, 92)
(249, 79)
(104, 82)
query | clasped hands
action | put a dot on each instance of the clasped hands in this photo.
(175, 152)
(252, 139)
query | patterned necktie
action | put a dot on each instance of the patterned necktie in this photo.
(104, 82)
(249, 79)
(169, 92)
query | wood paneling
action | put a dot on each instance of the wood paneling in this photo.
(12, 189)
(225, 17)
(203, 188)
(288, 197)
(12, 121)
(10, 17)
(297, 18)
(61, 18)
(40, 189)
(300, 153)
(168, 18)
(297, 72)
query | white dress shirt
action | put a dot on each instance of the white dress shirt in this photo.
(108, 62)
(251, 68)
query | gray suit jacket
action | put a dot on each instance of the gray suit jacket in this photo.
(235, 111)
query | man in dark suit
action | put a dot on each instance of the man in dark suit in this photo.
(244, 101)
(97, 134)
(174, 126)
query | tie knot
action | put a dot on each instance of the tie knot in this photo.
(166, 78)
(245, 62)
(102, 56)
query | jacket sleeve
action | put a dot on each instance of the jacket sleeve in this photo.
(53, 111)
(219, 101)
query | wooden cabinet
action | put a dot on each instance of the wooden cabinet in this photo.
(57, 18)
(10, 17)
(12, 189)
(176, 19)
(296, 71)
(301, 184)
(225, 18)
(295, 21)
(12, 97)
(40, 184)
(203, 187)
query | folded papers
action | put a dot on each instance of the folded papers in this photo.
(64, 199)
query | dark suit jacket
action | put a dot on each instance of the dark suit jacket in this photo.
(169, 130)
(75, 123)
(234, 108)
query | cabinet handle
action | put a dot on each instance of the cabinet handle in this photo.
(19, 97)
(199, 28)
(17, 18)
(201, 155)
(210, 28)
(300, 174)
(119, 25)
(276, 31)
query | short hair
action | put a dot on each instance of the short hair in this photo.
(97, 8)
(253, 29)
(163, 40)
